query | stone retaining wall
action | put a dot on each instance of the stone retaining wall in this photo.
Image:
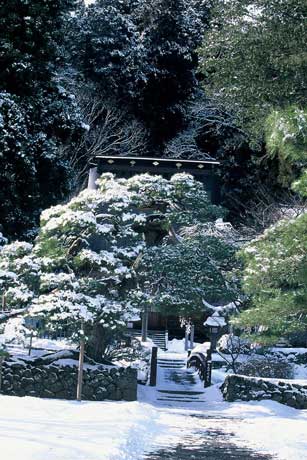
(59, 380)
(240, 387)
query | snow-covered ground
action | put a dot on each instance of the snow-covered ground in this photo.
(35, 429)
(267, 426)
(42, 429)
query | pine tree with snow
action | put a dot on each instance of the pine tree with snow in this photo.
(83, 263)
(142, 52)
(176, 279)
(275, 274)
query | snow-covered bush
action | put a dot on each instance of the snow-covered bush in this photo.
(133, 354)
(230, 343)
(81, 267)
(266, 366)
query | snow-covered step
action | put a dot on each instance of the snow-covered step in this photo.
(180, 365)
(176, 384)
(158, 337)
(177, 398)
(163, 360)
(181, 392)
(180, 401)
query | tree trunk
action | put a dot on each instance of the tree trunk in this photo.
(97, 343)
(3, 302)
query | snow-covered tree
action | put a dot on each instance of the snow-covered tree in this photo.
(175, 279)
(2, 239)
(275, 274)
(275, 277)
(83, 264)
(286, 139)
(105, 46)
(36, 113)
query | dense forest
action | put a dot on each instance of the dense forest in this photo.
(165, 78)
(192, 79)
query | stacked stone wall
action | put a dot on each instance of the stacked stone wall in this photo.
(58, 380)
(239, 387)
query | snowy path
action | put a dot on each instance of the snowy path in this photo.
(188, 422)
(199, 425)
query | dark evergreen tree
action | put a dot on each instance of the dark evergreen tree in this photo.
(143, 54)
(212, 132)
(37, 114)
(105, 46)
(172, 31)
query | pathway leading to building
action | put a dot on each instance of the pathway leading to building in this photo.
(177, 385)
(195, 430)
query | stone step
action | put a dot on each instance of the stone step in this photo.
(169, 363)
(164, 363)
(168, 360)
(181, 392)
(171, 367)
(181, 366)
(181, 400)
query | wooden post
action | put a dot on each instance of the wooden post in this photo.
(3, 302)
(145, 324)
(208, 371)
(81, 360)
(186, 338)
(192, 336)
(153, 366)
(31, 340)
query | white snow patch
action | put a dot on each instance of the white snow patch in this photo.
(36, 429)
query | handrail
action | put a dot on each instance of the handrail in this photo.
(203, 365)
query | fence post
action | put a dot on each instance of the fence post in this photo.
(145, 314)
(208, 370)
(192, 336)
(30, 345)
(153, 367)
(186, 338)
(80, 368)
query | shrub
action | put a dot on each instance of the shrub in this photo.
(270, 367)
(230, 343)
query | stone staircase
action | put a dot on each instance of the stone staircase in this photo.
(160, 338)
(177, 385)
